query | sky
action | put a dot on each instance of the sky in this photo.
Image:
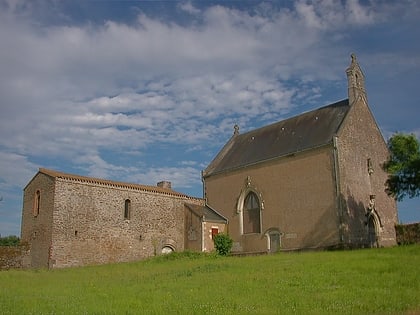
(144, 91)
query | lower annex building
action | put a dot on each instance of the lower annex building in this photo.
(310, 181)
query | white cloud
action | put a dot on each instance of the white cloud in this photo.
(188, 7)
(71, 91)
(16, 170)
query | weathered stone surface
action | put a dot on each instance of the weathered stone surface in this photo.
(82, 223)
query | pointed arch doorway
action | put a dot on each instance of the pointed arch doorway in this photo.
(372, 232)
(373, 229)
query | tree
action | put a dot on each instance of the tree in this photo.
(403, 166)
(223, 244)
(11, 240)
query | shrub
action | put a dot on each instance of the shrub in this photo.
(223, 244)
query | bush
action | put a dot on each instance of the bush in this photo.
(223, 244)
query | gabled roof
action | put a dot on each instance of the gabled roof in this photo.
(207, 213)
(105, 182)
(303, 132)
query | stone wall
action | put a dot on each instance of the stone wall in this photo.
(193, 231)
(90, 227)
(84, 222)
(361, 152)
(36, 228)
(14, 257)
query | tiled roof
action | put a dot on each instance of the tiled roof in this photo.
(306, 131)
(98, 181)
(207, 213)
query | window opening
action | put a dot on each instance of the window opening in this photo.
(127, 209)
(37, 200)
(251, 214)
(214, 232)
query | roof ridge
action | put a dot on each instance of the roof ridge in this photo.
(108, 182)
(294, 117)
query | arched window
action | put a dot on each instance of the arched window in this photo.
(37, 201)
(127, 209)
(251, 214)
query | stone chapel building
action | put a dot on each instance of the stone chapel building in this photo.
(70, 220)
(310, 181)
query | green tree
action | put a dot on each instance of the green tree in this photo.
(223, 244)
(11, 240)
(403, 166)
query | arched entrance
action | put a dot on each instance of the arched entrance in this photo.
(374, 226)
(372, 232)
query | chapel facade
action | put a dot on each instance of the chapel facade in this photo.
(311, 181)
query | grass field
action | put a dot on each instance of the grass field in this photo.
(374, 281)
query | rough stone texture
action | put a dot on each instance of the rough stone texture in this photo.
(37, 230)
(360, 140)
(83, 222)
(193, 231)
(14, 257)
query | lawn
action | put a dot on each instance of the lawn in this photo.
(370, 281)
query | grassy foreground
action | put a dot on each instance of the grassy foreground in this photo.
(374, 281)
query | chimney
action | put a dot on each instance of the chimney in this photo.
(164, 184)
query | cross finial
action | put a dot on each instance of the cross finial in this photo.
(236, 129)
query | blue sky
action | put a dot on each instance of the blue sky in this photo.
(144, 91)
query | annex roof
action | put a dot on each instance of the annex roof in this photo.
(306, 131)
(207, 213)
(98, 181)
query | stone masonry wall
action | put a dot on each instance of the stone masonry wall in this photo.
(90, 228)
(193, 231)
(36, 229)
(360, 140)
(14, 257)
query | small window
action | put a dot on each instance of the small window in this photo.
(127, 209)
(37, 201)
(251, 214)
(214, 232)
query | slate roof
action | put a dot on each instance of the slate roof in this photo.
(303, 132)
(207, 213)
(111, 183)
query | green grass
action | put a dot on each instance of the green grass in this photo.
(374, 281)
